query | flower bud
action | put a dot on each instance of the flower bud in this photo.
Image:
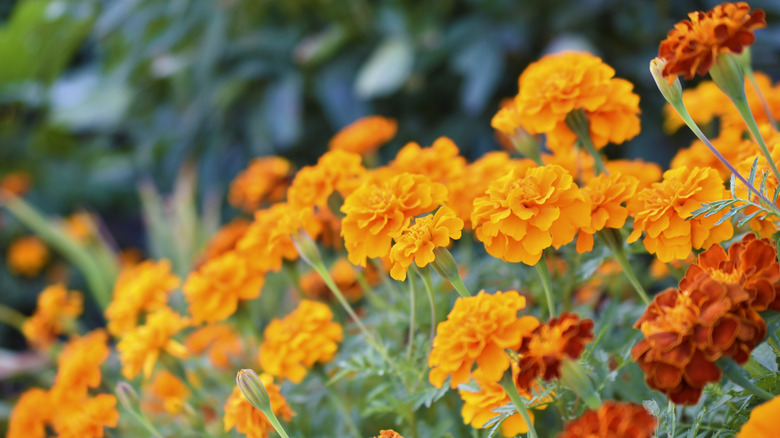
(672, 92)
(728, 75)
(576, 379)
(254, 391)
(307, 249)
(127, 396)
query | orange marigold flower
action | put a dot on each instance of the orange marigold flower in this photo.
(225, 239)
(614, 420)
(645, 172)
(543, 349)
(268, 241)
(344, 275)
(477, 330)
(294, 344)
(665, 211)
(389, 433)
(379, 211)
(79, 365)
(30, 415)
(144, 287)
(558, 84)
(416, 243)
(27, 256)
(441, 162)
(764, 227)
(248, 420)
(364, 136)
(220, 341)
(86, 419)
(729, 143)
(140, 348)
(520, 215)
(214, 290)
(579, 163)
(16, 183)
(762, 422)
(166, 393)
(607, 193)
(265, 180)
(56, 313)
(693, 45)
(336, 171)
(80, 226)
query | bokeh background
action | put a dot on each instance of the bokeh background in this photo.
(99, 98)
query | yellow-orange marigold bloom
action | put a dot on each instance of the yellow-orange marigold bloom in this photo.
(543, 349)
(477, 330)
(16, 183)
(364, 136)
(265, 180)
(389, 433)
(379, 211)
(693, 45)
(140, 348)
(166, 393)
(220, 341)
(607, 194)
(762, 422)
(645, 172)
(27, 256)
(292, 345)
(416, 243)
(86, 419)
(225, 239)
(248, 420)
(56, 313)
(558, 84)
(665, 209)
(144, 287)
(612, 420)
(30, 414)
(79, 365)
(522, 214)
(214, 290)
(441, 162)
(336, 171)
(80, 226)
(578, 162)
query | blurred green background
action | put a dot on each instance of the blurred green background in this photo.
(96, 96)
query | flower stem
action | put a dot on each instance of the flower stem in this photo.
(11, 317)
(767, 110)
(737, 375)
(577, 121)
(412, 314)
(336, 398)
(425, 273)
(747, 115)
(614, 242)
(141, 418)
(544, 275)
(511, 390)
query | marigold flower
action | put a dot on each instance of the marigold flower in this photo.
(30, 415)
(477, 330)
(607, 193)
(645, 172)
(214, 290)
(343, 274)
(264, 180)
(336, 171)
(56, 313)
(613, 420)
(558, 84)
(248, 420)
(389, 433)
(579, 163)
(665, 211)
(225, 239)
(219, 341)
(764, 227)
(144, 287)
(693, 45)
(520, 215)
(379, 211)
(80, 226)
(364, 136)
(294, 344)
(140, 348)
(416, 243)
(544, 348)
(730, 143)
(86, 419)
(166, 393)
(79, 365)
(27, 256)
(16, 183)
(762, 422)
(441, 162)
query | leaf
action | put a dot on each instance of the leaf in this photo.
(386, 70)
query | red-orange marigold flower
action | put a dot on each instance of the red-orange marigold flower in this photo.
(522, 214)
(607, 194)
(665, 209)
(389, 433)
(264, 180)
(247, 419)
(612, 420)
(694, 44)
(364, 136)
(543, 349)
(477, 330)
(416, 243)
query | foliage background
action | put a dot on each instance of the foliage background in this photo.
(97, 96)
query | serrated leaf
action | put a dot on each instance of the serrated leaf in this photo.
(753, 169)
(727, 216)
(748, 218)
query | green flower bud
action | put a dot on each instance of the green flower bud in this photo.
(671, 92)
(253, 389)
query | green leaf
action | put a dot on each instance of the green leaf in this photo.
(386, 70)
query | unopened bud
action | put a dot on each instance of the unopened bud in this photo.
(728, 75)
(253, 389)
(127, 396)
(576, 379)
(307, 248)
(672, 92)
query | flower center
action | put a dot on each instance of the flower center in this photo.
(547, 342)
(732, 277)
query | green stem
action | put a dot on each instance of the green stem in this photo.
(412, 314)
(269, 413)
(141, 418)
(747, 115)
(544, 275)
(577, 121)
(11, 317)
(767, 110)
(336, 399)
(622, 259)
(737, 375)
(511, 390)
(425, 273)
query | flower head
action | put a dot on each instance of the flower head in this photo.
(441, 162)
(167, 393)
(30, 414)
(27, 256)
(264, 180)
(543, 349)
(762, 422)
(248, 420)
(56, 313)
(665, 209)
(645, 172)
(389, 433)
(614, 420)
(344, 275)
(379, 211)
(79, 365)
(522, 214)
(225, 239)
(294, 344)
(140, 348)
(693, 46)
(16, 183)
(416, 243)
(336, 171)
(477, 331)
(219, 341)
(607, 194)
(364, 136)
(88, 418)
